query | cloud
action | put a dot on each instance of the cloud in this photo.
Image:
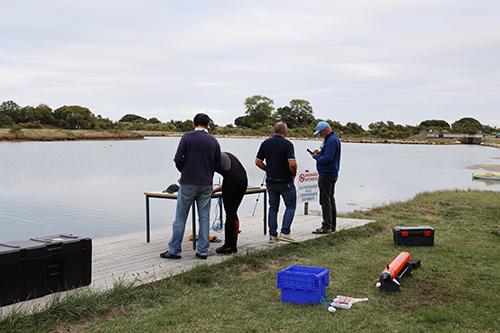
(358, 61)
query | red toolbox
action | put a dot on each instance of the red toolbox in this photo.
(43, 265)
(414, 236)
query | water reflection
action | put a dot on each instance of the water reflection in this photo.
(96, 188)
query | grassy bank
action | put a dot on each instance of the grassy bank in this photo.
(27, 134)
(45, 134)
(455, 289)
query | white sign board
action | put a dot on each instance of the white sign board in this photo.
(308, 187)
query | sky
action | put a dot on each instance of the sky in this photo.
(359, 61)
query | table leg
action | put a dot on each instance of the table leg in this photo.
(147, 218)
(219, 201)
(194, 228)
(265, 212)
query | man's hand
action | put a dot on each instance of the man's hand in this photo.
(217, 189)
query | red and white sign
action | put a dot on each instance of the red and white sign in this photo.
(308, 187)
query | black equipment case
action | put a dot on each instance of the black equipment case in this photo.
(43, 265)
(414, 236)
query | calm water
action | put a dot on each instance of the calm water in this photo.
(96, 188)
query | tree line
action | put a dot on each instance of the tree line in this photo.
(259, 118)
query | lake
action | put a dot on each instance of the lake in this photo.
(96, 188)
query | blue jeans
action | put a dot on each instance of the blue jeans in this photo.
(289, 194)
(200, 194)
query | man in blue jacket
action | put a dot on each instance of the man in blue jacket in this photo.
(328, 166)
(197, 156)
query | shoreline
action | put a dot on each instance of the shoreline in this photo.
(47, 135)
(425, 141)
(68, 139)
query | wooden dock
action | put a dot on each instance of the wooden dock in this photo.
(129, 258)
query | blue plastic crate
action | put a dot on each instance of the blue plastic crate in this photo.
(301, 284)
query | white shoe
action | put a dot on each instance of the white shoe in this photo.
(288, 238)
(273, 239)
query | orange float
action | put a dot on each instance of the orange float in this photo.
(391, 275)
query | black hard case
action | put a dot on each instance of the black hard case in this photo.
(414, 236)
(43, 265)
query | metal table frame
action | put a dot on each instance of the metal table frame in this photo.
(161, 195)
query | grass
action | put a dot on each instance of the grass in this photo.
(46, 134)
(455, 289)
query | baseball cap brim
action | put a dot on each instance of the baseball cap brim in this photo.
(321, 126)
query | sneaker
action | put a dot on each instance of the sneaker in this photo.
(288, 238)
(201, 256)
(273, 239)
(168, 255)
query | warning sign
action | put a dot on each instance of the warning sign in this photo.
(308, 187)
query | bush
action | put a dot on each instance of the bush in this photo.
(15, 129)
(35, 124)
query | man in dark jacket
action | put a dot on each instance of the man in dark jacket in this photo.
(328, 166)
(197, 156)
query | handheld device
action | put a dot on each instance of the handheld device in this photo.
(309, 151)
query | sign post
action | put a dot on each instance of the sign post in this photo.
(308, 188)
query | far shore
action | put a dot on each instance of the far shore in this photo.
(6, 135)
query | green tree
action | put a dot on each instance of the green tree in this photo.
(467, 125)
(353, 128)
(45, 115)
(490, 129)
(285, 114)
(75, 117)
(10, 113)
(129, 118)
(104, 123)
(378, 125)
(298, 114)
(335, 126)
(187, 125)
(153, 121)
(243, 121)
(259, 109)
(212, 127)
(42, 114)
(435, 124)
(26, 112)
(391, 126)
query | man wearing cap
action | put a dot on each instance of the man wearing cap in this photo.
(276, 156)
(328, 166)
(197, 156)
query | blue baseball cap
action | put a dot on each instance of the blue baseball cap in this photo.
(321, 126)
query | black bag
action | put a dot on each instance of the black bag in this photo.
(171, 189)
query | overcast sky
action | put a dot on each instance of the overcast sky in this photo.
(357, 61)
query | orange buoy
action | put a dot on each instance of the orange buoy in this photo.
(393, 269)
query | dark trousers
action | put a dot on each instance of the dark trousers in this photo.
(326, 185)
(232, 195)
